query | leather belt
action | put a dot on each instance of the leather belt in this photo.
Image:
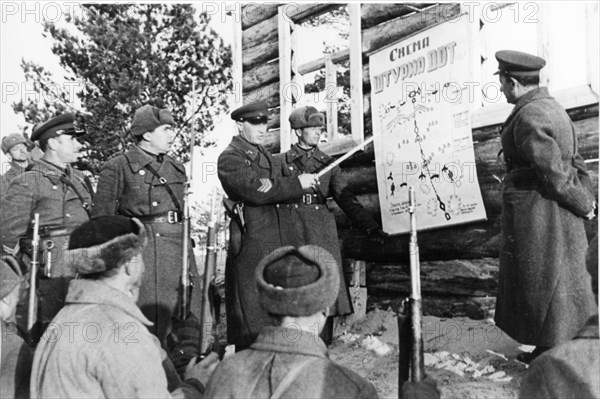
(306, 199)
(170, 217)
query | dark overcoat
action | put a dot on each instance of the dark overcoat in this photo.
(544, 292)
(290, 360)
(62, 206)
(14, 171)
(314, 223)
(252, 176)
(127, 187)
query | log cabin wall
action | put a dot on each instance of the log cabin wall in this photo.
(459, 264)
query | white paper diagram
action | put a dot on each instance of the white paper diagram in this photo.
(422, 95)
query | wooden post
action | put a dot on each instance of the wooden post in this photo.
(285, 78)
(591, 21)
(544, 31)
(356, 92)
(236, 68)
(331, 100)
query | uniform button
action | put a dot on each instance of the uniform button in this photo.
(68, 215)
(54, 188)
(277, 206)
(154, 203)
(296, 205)
(142, 172)
(157, 234)
(317, 207)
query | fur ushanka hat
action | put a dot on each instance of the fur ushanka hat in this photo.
(105, 242)
(295, 281)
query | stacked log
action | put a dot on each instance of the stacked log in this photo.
(459, 263)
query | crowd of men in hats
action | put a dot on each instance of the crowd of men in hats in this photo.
(108, 293)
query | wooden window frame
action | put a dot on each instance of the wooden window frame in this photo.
(354, 53)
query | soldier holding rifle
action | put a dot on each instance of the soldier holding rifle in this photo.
(148, 184)
(62, 196)
(251, 178)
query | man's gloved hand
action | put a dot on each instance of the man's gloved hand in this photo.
(203, 370)
(182, 342)
(425, 389)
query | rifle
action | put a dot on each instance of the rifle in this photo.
(209, 315)
(186, 283)
(410, 361)
(35, 263)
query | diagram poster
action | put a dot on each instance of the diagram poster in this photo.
(423, 92)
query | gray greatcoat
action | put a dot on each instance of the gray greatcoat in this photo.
(127, 187)
(544, 292)
(252, 177)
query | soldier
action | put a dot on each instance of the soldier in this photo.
(16, 356)
(148, 184)
(15, 146)
(310, 220)
(297, 286)
(252, 179)
(544, 292)
(61, 195)
(109, 352)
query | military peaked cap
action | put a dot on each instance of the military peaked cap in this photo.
(59, 125)
(295, 281)
(518, 64)
(306, 117)
(12, 140)
(255, 112)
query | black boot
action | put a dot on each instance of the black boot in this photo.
(528, 357)
(327, 333)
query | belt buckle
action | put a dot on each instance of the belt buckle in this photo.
(307, 199)
(172, 217)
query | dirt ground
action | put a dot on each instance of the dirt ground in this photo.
(468, 358)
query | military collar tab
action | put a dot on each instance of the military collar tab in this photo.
(137, 159)
(249, 149)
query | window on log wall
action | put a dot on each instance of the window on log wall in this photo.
(565, 34)
(321, 66)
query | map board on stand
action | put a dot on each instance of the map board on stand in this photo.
(424, 90)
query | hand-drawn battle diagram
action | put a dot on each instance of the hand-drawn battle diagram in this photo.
(423, 93)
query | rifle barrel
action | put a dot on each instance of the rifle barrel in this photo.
(415, 302)
(35, 244)
(209, 273)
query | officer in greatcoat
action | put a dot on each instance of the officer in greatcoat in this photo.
(15, 146)
(62, 196)
(311, 221)
(251, 178)
(146, 183)
(544, 291)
